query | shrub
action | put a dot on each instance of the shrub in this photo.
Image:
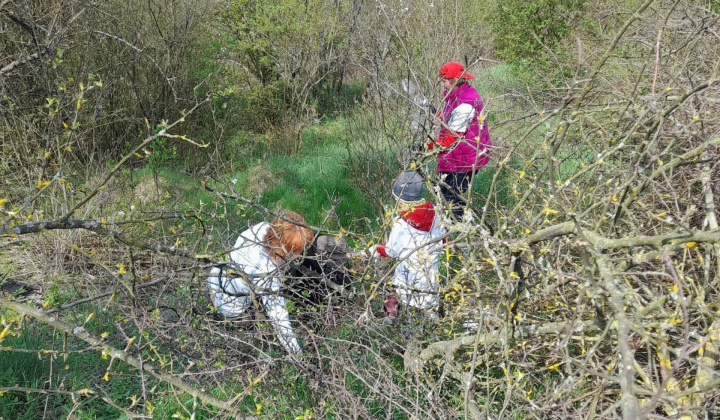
(523, 27)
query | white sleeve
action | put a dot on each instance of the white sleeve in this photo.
(399, 238)
(438, 229)
(461, 117)
(280, 318)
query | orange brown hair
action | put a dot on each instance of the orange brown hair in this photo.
(286, 237)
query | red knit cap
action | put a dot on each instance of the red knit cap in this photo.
(454, 70)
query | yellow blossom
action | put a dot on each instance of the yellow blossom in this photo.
(4, 333)
(665, 363)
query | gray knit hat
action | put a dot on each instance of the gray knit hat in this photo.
(408, 187)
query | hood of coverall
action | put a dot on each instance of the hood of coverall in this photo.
(420, 217)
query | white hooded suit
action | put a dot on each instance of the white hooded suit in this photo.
(252, 258)
(414, 241)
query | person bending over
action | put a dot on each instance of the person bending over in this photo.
(258, 253)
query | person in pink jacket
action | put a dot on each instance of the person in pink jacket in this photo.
(415, 241)
(463, 140)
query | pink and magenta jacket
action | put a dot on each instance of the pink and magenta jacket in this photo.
(471, 151)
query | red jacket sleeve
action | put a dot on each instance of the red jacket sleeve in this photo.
(381, 250)
(444, 140)
(447, 140)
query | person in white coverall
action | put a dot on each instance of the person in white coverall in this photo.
(415, 241)
(258, 252)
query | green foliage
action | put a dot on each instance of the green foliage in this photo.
(57, 296)
(262, 108)
(524, 28)
(255, 25)
(163, 154)
(293, 48)
(330, 99)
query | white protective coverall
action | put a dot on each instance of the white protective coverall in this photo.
(251, 257)
(411, 242)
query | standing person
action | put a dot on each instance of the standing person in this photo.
(463, 141)
(415, 241)
(259, 252)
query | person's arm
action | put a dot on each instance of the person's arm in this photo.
(399, 241)
(279, 316)
(460, 119)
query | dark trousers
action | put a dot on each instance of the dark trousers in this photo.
(456, 194)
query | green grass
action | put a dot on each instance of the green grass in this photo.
(22, 370)
(75, 370)
(307, 183)
(497, 79)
